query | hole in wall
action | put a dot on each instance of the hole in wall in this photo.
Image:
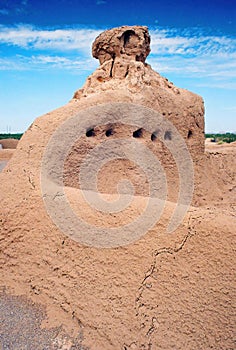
(127, 36)
(139, 58)
(154, 135)
(109, 132)
(190, 134)
(167, 135)
(138, 133)
(90, 132)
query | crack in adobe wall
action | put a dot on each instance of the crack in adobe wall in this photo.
(31, 181)
(130, 346)
(138, 304)
(84, 325)
(29, 176)
(112, 66)
(152, 268)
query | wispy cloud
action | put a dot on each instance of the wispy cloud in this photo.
(101, 2)
(16, 7)
(29, 37)
(4, 12)
(189, 54)
(191, 43)
(221, 65)
(63, 62)
(164, 42)
(192, 54)
(42, 62)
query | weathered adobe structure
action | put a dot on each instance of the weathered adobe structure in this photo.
(162, 291)
(124, 76)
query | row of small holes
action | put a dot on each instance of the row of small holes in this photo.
(137, 134)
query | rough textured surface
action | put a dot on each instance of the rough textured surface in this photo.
(6, 154)
(124, 42)
(127, 80)
(163, 291)
(9, 143)
(20, 327)
(123, 77)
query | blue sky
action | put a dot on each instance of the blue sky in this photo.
(45, 52)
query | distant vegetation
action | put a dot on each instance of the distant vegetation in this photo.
(10, 136)
(227, 137)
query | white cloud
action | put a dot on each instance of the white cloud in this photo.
(29, 37)
(187, 54)
(63, 62)
(171, 42)
(208, 66)
(42, 62)
(193, 55)
(162, 41)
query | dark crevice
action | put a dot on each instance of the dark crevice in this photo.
(153, 137)
(127, 36)
(147, 38)
(109, 132)
(190, 134)
(140, 58)
(138, 133)
(112, 65)
(127, 72)
(90, 132)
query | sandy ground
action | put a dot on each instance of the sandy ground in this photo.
(223, 148)
(20, 327)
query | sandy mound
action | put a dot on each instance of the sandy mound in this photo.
(9, 143)
(6, 154)
(161, 291)
(215, 180)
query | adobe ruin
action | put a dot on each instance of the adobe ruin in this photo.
(124, 76)
(163, 291)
